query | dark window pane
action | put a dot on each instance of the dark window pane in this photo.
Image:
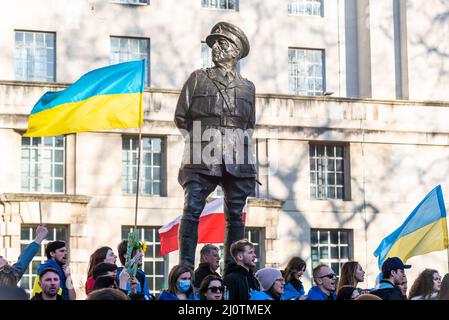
(314, 237)
(339, 178)
(339, 193)
(335, 267)
(330, 151)
(343, 237)
(344, 253)
(160, 267)
(334, 252)
(339, 165)
(324, 237)
(312, 164)
(315, 254)
(324, 253)
(334, 237)
(339, 151)
(25, 282)
(331, 193)
(330, 165)
(160, 283)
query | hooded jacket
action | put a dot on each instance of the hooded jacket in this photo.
(239, 283)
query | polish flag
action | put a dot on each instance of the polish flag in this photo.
(211, 227)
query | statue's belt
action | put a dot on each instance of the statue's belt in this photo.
(224, 121)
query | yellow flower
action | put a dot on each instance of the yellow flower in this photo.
(144, 247)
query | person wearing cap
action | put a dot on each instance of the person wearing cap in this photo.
(272, 285)
(393, 275)
(57, 253)
(326, 280)
(216, 115)
(49, 282)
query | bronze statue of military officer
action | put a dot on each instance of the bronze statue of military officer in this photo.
(216, 114)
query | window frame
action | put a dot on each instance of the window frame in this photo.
(305, 2)
(41, 148)
(346, 174)
(306, 77)
(162, 166)
(34, 32)
(236, 5)
(329, 261)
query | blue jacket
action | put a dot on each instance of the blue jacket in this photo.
(165, 295)
(24, 259)
(261, 295)
(291, 293)
(142, 286)
(52, 264)
(315, 293)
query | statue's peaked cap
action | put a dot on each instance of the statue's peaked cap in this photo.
(230, 32)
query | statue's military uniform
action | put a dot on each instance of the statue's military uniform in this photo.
(225, 104)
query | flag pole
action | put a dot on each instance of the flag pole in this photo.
(139, 144)
(40, 212)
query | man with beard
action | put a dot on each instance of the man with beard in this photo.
(50, 283)
(216, 115)
(239, 280)
(56, 253)
(326, 280)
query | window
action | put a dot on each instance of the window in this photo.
(35, 56)
(27, 235)
(128, 49)
(327, 176)
(257, 237)
(306, 72)
(331, 247)
(43, 164)
(131, 1)
(206, 57)
(155, 267)
(151, 168)
(305, 7)
(220, 4)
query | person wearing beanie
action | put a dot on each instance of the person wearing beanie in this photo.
(57, 255)
(272, 285)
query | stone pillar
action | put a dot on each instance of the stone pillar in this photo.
(265, 213)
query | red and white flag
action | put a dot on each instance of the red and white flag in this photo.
(211, 227)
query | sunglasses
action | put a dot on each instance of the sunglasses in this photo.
(330, 276)
(215, 289)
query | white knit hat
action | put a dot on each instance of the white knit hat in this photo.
(267, 276)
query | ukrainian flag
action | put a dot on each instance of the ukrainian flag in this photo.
(105, 98)
(424, 231)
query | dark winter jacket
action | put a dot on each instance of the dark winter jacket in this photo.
(239, 283)
(388, 291)
(202, 272)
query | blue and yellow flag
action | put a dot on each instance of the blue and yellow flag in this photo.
(105, 98)
(424, 231)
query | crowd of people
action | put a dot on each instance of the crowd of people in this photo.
(240, 281)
